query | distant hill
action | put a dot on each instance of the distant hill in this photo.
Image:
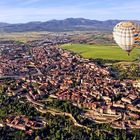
(4, 24)
(69, 24)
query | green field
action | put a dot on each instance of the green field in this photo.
(102, 52)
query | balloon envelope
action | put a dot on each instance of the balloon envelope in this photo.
(126, 35)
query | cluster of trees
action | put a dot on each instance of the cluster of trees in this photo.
(13, 106)
(130, 71)
(65, 106)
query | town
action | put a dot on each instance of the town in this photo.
(40, 69)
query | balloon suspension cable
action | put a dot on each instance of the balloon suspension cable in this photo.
(128, 52)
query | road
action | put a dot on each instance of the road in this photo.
(56, 112)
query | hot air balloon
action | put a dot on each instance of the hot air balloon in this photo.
(126, 35)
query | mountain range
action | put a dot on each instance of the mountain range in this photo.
(69, 24)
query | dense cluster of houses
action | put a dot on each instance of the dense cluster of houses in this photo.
(14, 60)
(87, 84)
(24, 123)
(49, 70)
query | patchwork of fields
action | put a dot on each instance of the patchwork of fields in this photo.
(102, 52)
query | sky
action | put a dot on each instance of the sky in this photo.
(22, 11)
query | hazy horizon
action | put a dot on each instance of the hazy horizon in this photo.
(19, 11)
(64, 19)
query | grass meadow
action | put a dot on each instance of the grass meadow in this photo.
(106, 52)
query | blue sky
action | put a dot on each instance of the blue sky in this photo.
(20, 11)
